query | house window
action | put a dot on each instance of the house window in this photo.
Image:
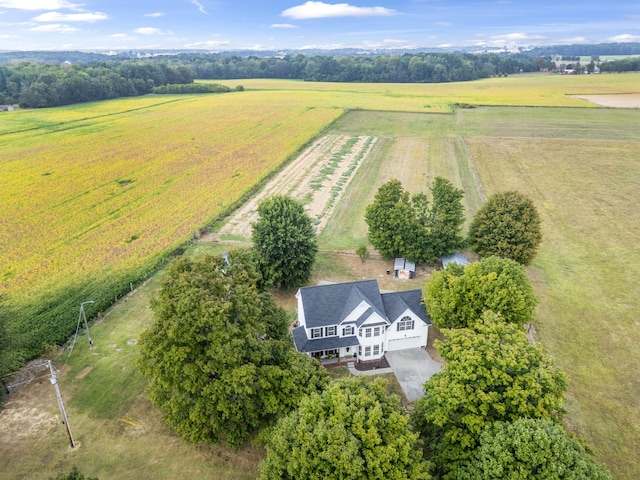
(347, 331)
(331, 331)
(359, 350)
(367, 332)
(406, 323)
(367, 351)
(376, 332)
(316, 333)
(376, 349)
(360, 332)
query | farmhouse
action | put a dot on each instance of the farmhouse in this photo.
(354, 320)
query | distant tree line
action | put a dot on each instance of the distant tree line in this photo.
(405, 68)
(626, 48)
(181, 88)
(37, 85)
(631, 64)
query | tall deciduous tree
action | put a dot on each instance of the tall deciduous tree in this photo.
(492, 373)
(219, 358)
(456, 297)
(352, 430)
(530, 449)
(391, 220)
(447, 217)
(405, 226)
(507, 225)
(285, 242)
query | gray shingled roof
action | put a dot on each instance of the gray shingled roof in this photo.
(304, 344)
(396, 303)
(330, 304)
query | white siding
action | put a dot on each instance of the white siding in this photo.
(407, 338)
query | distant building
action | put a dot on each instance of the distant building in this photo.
(6, 108)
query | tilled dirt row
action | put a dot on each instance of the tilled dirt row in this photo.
(318, 177)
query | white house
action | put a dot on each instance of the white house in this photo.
(354, 320)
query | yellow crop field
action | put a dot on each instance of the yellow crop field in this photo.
(520, 90)
(111, 185)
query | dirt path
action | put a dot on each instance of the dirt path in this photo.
(317, 178)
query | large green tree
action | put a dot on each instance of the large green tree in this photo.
(390, 219)
(456, 296)
(404, 226)
(285, 242)
(219, 358)
(492, 373)
(352, 430)
(447, 217)
(507, 225)
(530, 449)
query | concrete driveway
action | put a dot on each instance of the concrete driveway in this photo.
(412, 367)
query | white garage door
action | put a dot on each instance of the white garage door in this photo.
(404, 343)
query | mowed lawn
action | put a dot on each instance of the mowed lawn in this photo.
(582, 169)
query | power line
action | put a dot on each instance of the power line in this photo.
(65, 420)
(41, 365)
(13, 385)
(82, 315)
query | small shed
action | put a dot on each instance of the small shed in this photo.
(456, 257)
(6, 108)
(404, 269)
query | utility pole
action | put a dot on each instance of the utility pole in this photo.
(65, 420)
(86, 325)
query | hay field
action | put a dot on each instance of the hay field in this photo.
(535, 90)
(582, 171)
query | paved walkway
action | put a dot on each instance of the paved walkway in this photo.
(378, 371)
(412, 368)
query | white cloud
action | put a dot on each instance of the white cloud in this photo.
(155, 14)
(208, 44)
(71, 17)
(283, 25)
(55, 27)
(511, 38)
(123, 36)
(148, 31)
(199, 5)
(388, 43)
(38, 4)
(625, 37)
(326, 10)
(444, 24)
(574, 40)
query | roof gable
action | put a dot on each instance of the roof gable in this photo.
(397, 303)
(331, 304)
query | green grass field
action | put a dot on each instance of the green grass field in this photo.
(579, 165)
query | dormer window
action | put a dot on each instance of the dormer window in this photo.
(331, 331)
(348, 330)
(316, 333)
(406, 323)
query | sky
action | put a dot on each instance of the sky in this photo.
(218, 25)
